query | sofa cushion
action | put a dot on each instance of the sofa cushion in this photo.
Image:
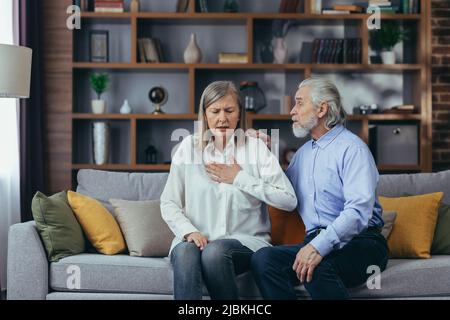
(410, 278)
(98, 224)
(104, 185)
(413, 230)
(118, 273)
(60, 231)
(396, 185)
(145, 232)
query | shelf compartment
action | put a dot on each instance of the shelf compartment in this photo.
(384, 88)
(119, 142)
(406, 51)
(139, 116)
(213, 37)
(301, 35)
(123, 167)
(134, 86)
(274, 83)
(163, 135)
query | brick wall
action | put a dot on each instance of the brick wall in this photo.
(441, 83)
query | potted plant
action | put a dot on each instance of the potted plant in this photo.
(99, 83)
(385, 39)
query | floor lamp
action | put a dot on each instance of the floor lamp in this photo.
(15, 72)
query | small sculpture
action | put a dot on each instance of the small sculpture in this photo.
(158, 96)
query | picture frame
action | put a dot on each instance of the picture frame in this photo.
(99, 46)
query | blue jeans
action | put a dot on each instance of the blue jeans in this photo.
(343, 268)
(217, 265)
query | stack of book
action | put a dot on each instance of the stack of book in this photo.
(150, 50)
(337, 51)
(182, 5)
(108, 6)
(384, 6)
(232, 57)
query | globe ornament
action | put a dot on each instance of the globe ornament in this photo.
(158, 96)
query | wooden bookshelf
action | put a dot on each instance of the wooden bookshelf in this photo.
(136, 123)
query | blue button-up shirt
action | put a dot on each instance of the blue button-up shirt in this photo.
(335, 180)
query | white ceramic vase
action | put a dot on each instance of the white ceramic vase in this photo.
(98, 106)
(125, 109)
(388, 57)
(192, 53)
(280, 50)
(100, 142)
(134, 6)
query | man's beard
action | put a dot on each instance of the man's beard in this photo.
(301, 131)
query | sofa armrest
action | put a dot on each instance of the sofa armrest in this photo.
(27, 269)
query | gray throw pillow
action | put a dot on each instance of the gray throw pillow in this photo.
(144, 230)
(389, 219)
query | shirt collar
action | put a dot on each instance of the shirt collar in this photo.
(328, 137)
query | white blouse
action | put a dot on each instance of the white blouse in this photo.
(192, 202)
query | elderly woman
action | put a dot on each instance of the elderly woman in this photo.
(212, 200)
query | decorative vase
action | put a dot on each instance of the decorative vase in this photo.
(280, 50)
(192, 54)
(388, 57)
(135, 6)
(98, 106)
(125, 108)
(100, 142)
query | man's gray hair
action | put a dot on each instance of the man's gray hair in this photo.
(324, 90)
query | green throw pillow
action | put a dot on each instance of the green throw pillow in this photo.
(57, 225)
(441, 239)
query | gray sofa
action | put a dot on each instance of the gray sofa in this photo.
(30, 276)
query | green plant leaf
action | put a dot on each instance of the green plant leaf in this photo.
(99, 82)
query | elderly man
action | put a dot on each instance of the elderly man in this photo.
(335, 179)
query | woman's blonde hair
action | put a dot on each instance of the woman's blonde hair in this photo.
(214, 92)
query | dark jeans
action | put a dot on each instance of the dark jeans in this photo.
(341, 269)
(217, 265)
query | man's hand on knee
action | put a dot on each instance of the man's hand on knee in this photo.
(306, 261)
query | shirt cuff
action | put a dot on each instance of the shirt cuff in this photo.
(243, 180)
(186, 229)
(322, 245)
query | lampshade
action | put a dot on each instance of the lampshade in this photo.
(15, 71)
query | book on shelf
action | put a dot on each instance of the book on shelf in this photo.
(231, 57)
(288, 6)
(337, 51)
(150, 50)
(406, 108)
(182, 5)
(349, 7)
(332, 11)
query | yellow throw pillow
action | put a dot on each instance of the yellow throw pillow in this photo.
(414, 226)
(98, 224)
